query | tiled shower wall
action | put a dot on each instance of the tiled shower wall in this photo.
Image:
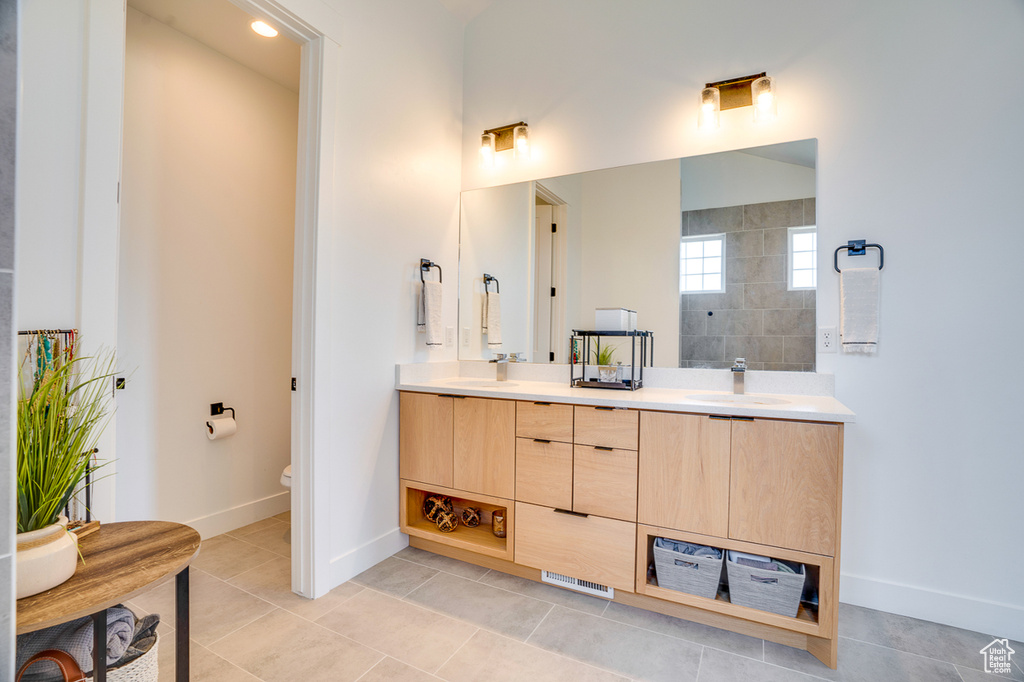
(757, 317)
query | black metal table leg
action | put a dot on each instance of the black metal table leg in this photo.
(181, 635)
(99, 646)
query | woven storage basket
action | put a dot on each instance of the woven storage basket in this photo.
(142, 669)
(774, 591)
(697, 575)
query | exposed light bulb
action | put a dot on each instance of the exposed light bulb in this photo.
(521, 142)
(766, 102)
(263, 28)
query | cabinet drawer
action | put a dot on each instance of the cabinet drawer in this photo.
(607, 427)
(589, 547)
(604, 482)
(549, 421)
(544, 473)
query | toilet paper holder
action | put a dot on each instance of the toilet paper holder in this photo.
(217, 409)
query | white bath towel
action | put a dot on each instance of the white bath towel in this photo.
(858, 295)
(491, 323)
(429, 318)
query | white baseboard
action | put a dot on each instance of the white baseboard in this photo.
(354, 562)
(242, 515)
(988, 617)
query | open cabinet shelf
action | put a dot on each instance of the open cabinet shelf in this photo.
(811, 619)
(479, 539)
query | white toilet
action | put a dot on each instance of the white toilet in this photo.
(286, 476)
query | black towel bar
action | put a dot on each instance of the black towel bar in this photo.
(858, 247)
(426, 264)
(491, 278)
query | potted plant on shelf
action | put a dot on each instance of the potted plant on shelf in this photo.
(60, 418)
(607, 371)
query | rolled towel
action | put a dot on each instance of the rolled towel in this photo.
(858, 294)
(492, 319)
(75, 637)
(429, 319)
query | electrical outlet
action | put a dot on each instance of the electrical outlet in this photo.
(465, 337)
(828, 339)
(449, 337)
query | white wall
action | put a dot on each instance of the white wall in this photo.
(736, 179)
(496, 238)
(631, 220)
(933, 464)
(205, 305)
(399, 67)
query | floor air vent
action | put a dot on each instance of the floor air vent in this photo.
(584, 586)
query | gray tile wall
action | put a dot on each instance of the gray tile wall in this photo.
(757, 317)
(8, 112)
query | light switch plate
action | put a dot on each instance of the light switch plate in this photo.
(465, 337)
(449, 337)
(828, 339)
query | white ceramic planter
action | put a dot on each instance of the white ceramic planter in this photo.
(46, 558)
(608, 373)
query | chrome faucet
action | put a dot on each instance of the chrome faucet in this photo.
(501, 360)
(738, 371)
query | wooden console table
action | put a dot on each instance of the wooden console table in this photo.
(122, 560)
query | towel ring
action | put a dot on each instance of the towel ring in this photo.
(858, 247)
(488, 279)
(426, 264)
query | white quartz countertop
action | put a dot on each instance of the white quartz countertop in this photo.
(778, 406)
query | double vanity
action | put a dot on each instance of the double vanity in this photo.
(589, 478)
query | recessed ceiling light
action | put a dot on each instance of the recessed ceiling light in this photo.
(263, 28)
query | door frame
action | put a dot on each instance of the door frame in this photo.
(560, 275)
(99, 232)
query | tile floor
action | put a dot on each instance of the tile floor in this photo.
(419, 616)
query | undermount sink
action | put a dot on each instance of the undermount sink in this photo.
(483, 383)
(735, 399)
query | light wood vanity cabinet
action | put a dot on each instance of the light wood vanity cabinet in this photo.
(684, 472)
(589, 489)
(458, 442)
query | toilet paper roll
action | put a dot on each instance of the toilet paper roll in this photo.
(222, 427)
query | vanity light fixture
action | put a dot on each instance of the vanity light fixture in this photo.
(757, 90)
(263, 28)
(515, 136)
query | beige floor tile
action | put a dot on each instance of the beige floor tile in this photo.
(204, 665)
(272, 581)
(270, 522)
(411, 634)
(215, 607)
(284, 516)
(390, 670)
(282, 647)
(395, 576)
(733, 642)
(510, 614)
(276, 537)
(494, 658)
(442, 563)
(225, 557)
(638, 654)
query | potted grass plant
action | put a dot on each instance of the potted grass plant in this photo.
(61, 414)
(606, 370)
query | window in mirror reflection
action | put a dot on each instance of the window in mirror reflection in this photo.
(803, 257)
(702, 264)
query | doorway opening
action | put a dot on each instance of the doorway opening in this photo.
(549, 277)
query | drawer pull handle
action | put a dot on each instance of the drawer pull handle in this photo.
(599, 407)
(743, 419)
(540, 440)
(601, 447)
(451, 395)
(543, 404)
(719, 416)
(571, 513)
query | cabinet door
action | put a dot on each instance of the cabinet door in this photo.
(485, 447)
(684, 472)
(544, 473)
(785, 484)
(588, 547)
(604, 482)
(425, 438)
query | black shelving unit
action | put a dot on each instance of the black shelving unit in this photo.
(581, 356)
